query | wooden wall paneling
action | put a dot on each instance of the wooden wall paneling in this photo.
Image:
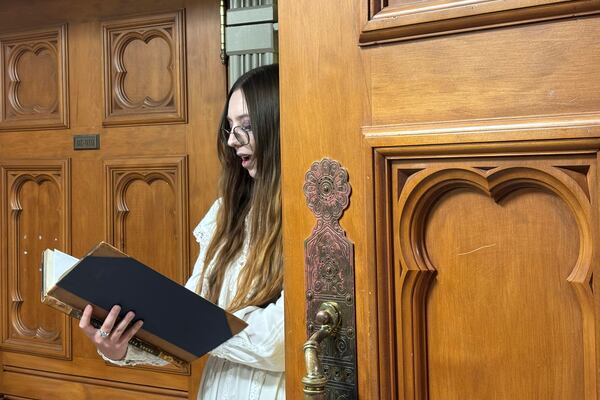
(381, 280)
(143, 197)
(145, 70)
(392, 20)
(533, 71)
(440, 200)
(207, 85)
(150, 195)
(34, 80)
(48, 385)
(88, 369)
(1, 355)
(194, 137)
(203, 126)
(36, 198)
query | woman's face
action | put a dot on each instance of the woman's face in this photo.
(237, 115)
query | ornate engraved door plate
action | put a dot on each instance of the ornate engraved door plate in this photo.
(329, 272)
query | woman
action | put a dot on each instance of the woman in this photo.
(240, 262)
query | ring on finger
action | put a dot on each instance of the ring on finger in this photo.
(103, 333)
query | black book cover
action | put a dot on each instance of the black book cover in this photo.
(169, 310)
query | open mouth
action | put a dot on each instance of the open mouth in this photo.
(246, 159)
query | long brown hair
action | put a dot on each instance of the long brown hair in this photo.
(261, 279)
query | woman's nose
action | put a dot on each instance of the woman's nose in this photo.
(232, 141)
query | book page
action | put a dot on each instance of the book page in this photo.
(62, 262)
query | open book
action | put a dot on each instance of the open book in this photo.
(179, 325)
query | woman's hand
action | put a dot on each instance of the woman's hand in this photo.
(110, 342)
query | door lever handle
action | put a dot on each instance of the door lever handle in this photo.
(314, 381)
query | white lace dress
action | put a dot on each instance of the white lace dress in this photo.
(249, 366)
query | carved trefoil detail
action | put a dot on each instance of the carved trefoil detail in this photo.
(34, 79)
(329, 272)
(35, 214)
(150, 195)
(145, 189)
(420, 196)
(144, 70)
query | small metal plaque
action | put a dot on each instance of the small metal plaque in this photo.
(86, 142)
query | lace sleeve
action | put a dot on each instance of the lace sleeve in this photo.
(261, 344)
(203, 234)
(203, 231)
(135, 356)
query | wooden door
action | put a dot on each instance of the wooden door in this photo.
(470, 135)
(145, 76)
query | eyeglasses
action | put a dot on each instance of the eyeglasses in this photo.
(242, 135)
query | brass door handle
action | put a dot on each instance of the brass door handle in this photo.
(314, 381)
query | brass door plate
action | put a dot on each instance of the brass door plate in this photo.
(329, 274)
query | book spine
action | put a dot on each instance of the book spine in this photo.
(135, 341)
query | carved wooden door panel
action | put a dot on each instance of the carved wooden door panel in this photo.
(494, 257)
(472, 155)
(147, 78)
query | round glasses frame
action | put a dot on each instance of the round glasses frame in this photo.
(242, 135)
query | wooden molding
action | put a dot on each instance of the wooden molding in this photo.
(416, 201)
(120, 174)
(97, 382)
(410, 172)
(124, 209)
(44, 105)
(382, 23)
(26, 236)
(505, 131)
(163, 72)
(11, 397)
